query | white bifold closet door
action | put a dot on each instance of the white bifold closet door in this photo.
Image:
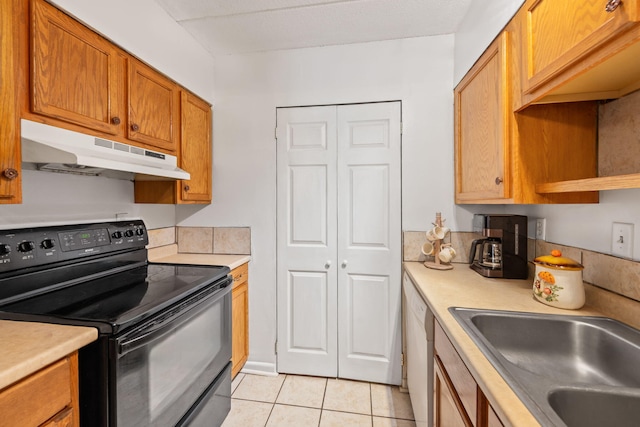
(339, 241)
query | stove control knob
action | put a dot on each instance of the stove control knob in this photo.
(27, 246)
(5, 249)
(139, 232)
(128, 233)
(117, 235)
(48, 243)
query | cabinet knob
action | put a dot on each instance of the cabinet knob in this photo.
(187, 188)
(10, 173)
(115, 120)
(498, 181)
(327, 264)
(344, 263)
(135, 127)
(612, 5)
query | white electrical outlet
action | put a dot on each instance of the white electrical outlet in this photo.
(541, 228)
(622, 239)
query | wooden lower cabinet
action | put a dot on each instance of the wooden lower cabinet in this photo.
(48, 397)
(240, 318)
(458, 400)
(447, 402)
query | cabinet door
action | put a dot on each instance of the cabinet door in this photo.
(10, 185)
(76, 75)
(492, 419)
(153, 108)
(240, 318)
(482, 115)
(195, 149)
(446, 404)
(561, 32)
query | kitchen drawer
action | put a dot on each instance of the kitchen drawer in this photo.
(39, 397)
(460, 377)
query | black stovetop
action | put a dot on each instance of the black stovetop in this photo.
(93, 275)
(117, 301)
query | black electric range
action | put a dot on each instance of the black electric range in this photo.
(162, 356)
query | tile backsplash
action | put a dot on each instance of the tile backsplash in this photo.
(612, 284)
(203, 240)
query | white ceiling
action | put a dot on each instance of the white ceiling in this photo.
(242, 26)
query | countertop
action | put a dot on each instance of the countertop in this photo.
(169, 254)
(463, 287)
(29, 346)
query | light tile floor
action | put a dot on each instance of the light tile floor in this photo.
(301, 401)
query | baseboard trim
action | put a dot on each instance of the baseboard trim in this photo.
(260, 368)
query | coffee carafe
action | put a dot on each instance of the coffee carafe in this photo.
(502, 252)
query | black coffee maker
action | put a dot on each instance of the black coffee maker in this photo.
(503, 249)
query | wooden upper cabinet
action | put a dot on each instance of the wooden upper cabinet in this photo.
(76, 75)
(568, 40)
(10, 155)
(195, 149)
(482, 108)
(153, 107)
(501, 151)
(195, 156)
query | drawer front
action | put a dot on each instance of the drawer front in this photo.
(240, 274)
(457, 372)
(38, 397)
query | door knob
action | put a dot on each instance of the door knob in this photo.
(344, 264)
(327, 264)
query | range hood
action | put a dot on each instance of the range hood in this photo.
(60, 150)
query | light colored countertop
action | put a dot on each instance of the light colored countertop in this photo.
(28, 346)
(463, 287)
(169, 254)
(232, 261)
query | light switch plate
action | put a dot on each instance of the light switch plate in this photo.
(622, 239)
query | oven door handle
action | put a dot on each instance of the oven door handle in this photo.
(158, 328)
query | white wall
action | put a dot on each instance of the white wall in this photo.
(589, 226)
(249, 88)
(480, 26)
(144, 29)
(53, 198)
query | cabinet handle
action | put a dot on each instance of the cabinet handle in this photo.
(612, 5)
(115, 120)
(187, 188)
(498, 181)
(10, 173)
(135, 127)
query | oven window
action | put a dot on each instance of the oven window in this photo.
(161, 374)
(177, 360)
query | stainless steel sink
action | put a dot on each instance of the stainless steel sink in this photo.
(585, 407)
(555, 362)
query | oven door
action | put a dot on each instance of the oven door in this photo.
(165, 366)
